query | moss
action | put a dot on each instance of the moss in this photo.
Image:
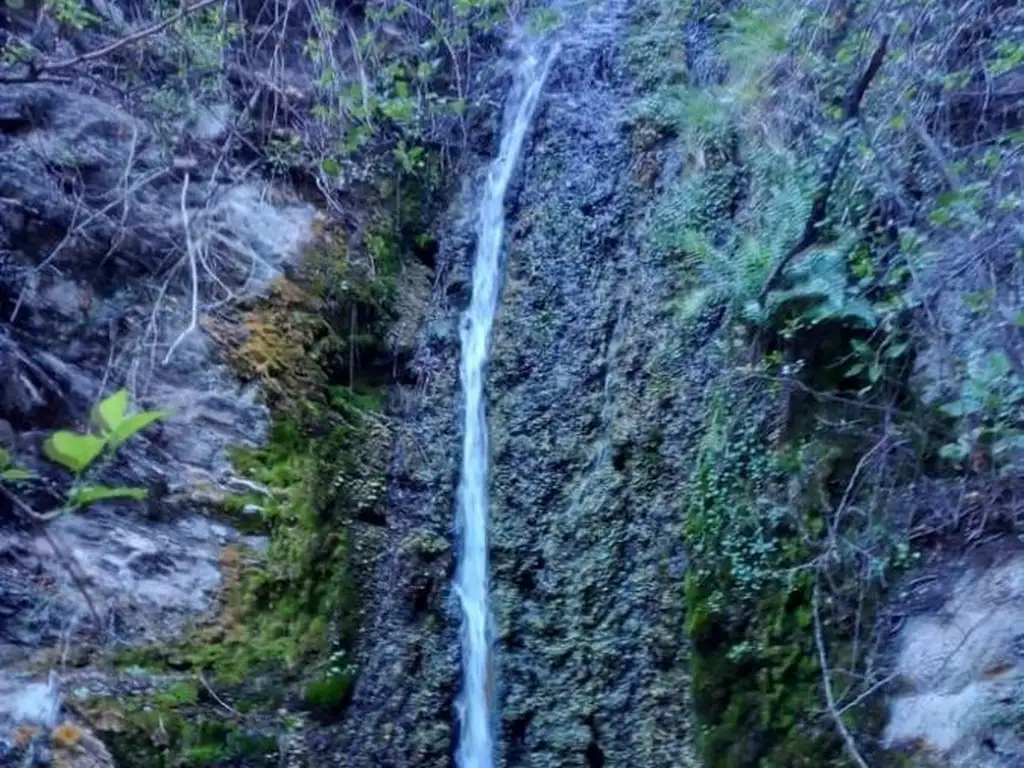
(757, 538)
(174, 728)
(327, 695)
(315, 342)
(754, 673)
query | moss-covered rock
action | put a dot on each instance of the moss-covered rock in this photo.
(181, 726)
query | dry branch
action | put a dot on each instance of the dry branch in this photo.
(819, 206)
(851, 745)
(190, 254)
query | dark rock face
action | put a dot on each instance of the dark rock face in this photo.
(401, 713)
(590, 455)
(586, 552)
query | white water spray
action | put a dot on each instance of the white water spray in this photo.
(476, 742)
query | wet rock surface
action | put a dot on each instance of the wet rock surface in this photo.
(589, 445)
(589, 456)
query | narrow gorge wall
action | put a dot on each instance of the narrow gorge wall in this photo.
(591, 411)
(592, 389)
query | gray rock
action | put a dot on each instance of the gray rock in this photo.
(95, 295)
(962, 670)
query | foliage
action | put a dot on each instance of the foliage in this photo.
(328, 693)
(290, 615)
(78, 452)
(989, 410)
(9, 473)
(72, 13)
(830, 327)
(767, 525)
(753, 669)
(178, 727)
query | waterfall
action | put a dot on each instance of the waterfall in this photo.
(476, 744)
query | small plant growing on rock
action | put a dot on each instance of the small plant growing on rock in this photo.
(78, 452)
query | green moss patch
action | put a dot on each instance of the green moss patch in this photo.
(181, 726)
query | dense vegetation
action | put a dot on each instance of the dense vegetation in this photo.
(835, 181)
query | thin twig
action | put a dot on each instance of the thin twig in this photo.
(190, 254)
(819, 205)
(66, 558)
(218, 699)
(851, 745)
(152, 29)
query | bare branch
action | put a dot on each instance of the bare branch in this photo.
(152, 29)
(851, 745)
(819, 206)
(190, 254)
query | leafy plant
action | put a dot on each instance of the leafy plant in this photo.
(988, 410)
(10, 473)
(77, 452)
(820, 293)
(73, 13)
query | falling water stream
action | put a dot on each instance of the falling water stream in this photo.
(476, 741)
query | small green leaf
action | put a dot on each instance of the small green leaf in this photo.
(111, 410)
(135, 424)
(953, 452)
(955, 409)
(5, 457)
(998, 365)
(16, 475)
(862, 348)
(896, 350)
(90, 494)
(855, 370)
(72, 451)
(331, 167)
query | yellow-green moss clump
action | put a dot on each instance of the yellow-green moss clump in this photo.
(289, 616)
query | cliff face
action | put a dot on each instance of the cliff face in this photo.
(757, 361)
(592, 408)
(588, 386)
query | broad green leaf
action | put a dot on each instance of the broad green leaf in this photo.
(72, 451)
(90, 494)
(111, 411)
(5, 457)
(133, 425)
(14, 475)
